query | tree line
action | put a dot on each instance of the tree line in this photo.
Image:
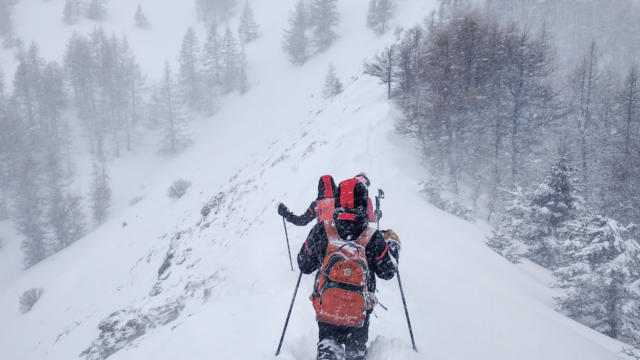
(100, 97)
(548, 153)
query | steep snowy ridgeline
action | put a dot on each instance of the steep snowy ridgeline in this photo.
(224, 291)
(160, 281)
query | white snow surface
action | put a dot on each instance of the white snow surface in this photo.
(231, 269)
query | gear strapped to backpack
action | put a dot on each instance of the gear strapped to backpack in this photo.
(341, 295)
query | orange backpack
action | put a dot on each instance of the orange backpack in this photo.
(341, 296)
(325, 208)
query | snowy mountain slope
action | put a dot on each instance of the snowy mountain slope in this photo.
(224, 291)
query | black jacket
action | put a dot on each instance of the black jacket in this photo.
(379, 258)
(303, 219)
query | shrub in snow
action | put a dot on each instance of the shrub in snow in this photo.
(29, 298)
(179, 188)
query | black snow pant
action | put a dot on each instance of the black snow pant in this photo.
(341, 342)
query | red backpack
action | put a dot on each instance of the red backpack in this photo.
(325, 209)
(326, 206)
(341, 295)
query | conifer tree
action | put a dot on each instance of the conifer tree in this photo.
(140, 19)
(214, 10)
(97, 10)
(379, 14)
(598, 280)
(189, 75)
(133, 82)
(248, 29)
(332, 85)
(171, 115)
(6, 23)
(100, 189)
(296, 42)
(243, 81)
(230, 62)
(71, 11)
(211, 68)
(324, 17)
(29, 211)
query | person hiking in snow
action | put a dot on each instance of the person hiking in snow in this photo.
(348, 254)
(321, 209)
(372, 215)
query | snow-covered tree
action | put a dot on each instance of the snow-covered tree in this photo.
(324, 17)
(295, 41)
(6, 22)
(97, 10)
(170, 114)
(26, 83)
(72, 11)
(214, 10)
(100, 188)
(140, 18)
(248, 28)
(332, 85)
(231, 61)
(555, 206)
(243, 81)
(599, 277)
(66, 219)
(29, 210)
(132, 82)
(540, 224)
(379, 14)
(189, 74)
(211, 68)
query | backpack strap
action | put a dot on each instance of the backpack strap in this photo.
(332, 232)
(365, 236)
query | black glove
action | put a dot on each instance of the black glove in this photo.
(378, 214)
(282, 210)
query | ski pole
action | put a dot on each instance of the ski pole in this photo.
(404, 302)
(286, 322)
(406, 312)
(380, 196)
(288, 247)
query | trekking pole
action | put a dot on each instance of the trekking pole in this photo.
(287, 236)
(286, 322)
(406, 312)
(404, 302)
(380, 196)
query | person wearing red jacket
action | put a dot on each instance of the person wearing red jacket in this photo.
(372, 214)
(321, 209)
(379, 249)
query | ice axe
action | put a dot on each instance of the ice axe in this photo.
(379, 197)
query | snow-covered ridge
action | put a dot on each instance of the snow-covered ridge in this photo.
(179, 284)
